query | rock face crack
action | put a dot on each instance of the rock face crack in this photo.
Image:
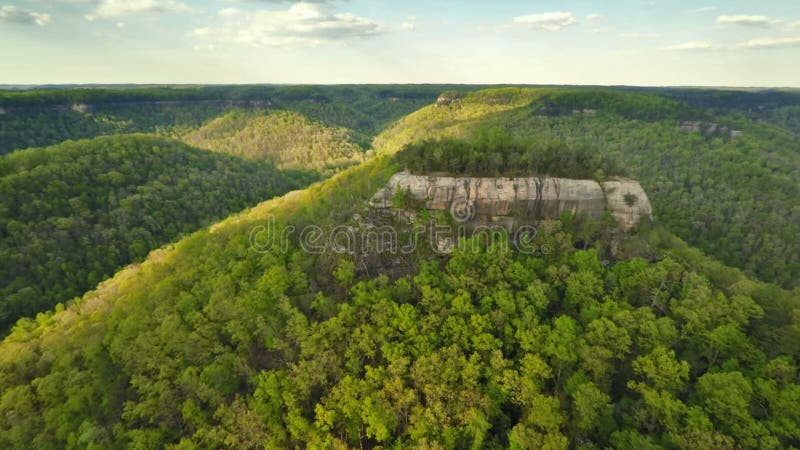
(496, 199)
(538, 203)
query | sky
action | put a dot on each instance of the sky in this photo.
(630, 42)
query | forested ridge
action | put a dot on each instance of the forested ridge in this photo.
(40, 117)
(211, 344)
(287, 139)
(776, 106)
(73, 214)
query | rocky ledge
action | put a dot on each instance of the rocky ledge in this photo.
(509, 200)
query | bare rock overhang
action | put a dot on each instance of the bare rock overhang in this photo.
(504, 199)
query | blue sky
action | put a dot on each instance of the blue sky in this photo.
(715, 43)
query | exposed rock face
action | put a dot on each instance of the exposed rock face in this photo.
(627, 202)
(81, 108)
(509, 200)
(709, 129)
(448, 98)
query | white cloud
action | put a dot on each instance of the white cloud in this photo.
(410, 23)
(594, 18)
(639, 35)
(107, 9)
(303, 24)
(747, 20)
(13, 14)
(752, 44)
(550, 21)
(228, 12)
(201, 32)
(205, 48)
(704, 9)
(690, 46)
(770, 43)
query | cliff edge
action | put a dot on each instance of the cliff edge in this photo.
(509, 201)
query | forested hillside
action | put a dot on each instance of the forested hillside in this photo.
(41, 117)
(287, 139)
(73, 214)
(780, 107)
(726, 184)
(212, 344)
(601, 339)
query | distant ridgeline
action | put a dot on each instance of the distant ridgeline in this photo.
(33, 118)
(780, 107)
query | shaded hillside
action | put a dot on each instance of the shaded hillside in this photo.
(287, 139)
(780, 107)
(215, 343)
(73, 214)
(787, 117)
(726, 184)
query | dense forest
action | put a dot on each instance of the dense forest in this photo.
(775, 106)
(40, 117)
(211, 344)
(729, 187)
(495, 153)
(602, 339)
(287, 139)
(73, 214)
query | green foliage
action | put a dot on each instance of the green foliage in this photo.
(787, 117)
(457, 120)
(495, 153)
(37, 126)
(210, 344)
(39, 117)
(608, 102)
(75, 213)
(735, 198)
(287, 139)
(775, 106)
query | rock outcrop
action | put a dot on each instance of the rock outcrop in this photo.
(709, 129)
(509, 201)
(449, 98)
(627, 202)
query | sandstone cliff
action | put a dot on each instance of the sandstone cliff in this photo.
(510, 200)
(627, 202)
